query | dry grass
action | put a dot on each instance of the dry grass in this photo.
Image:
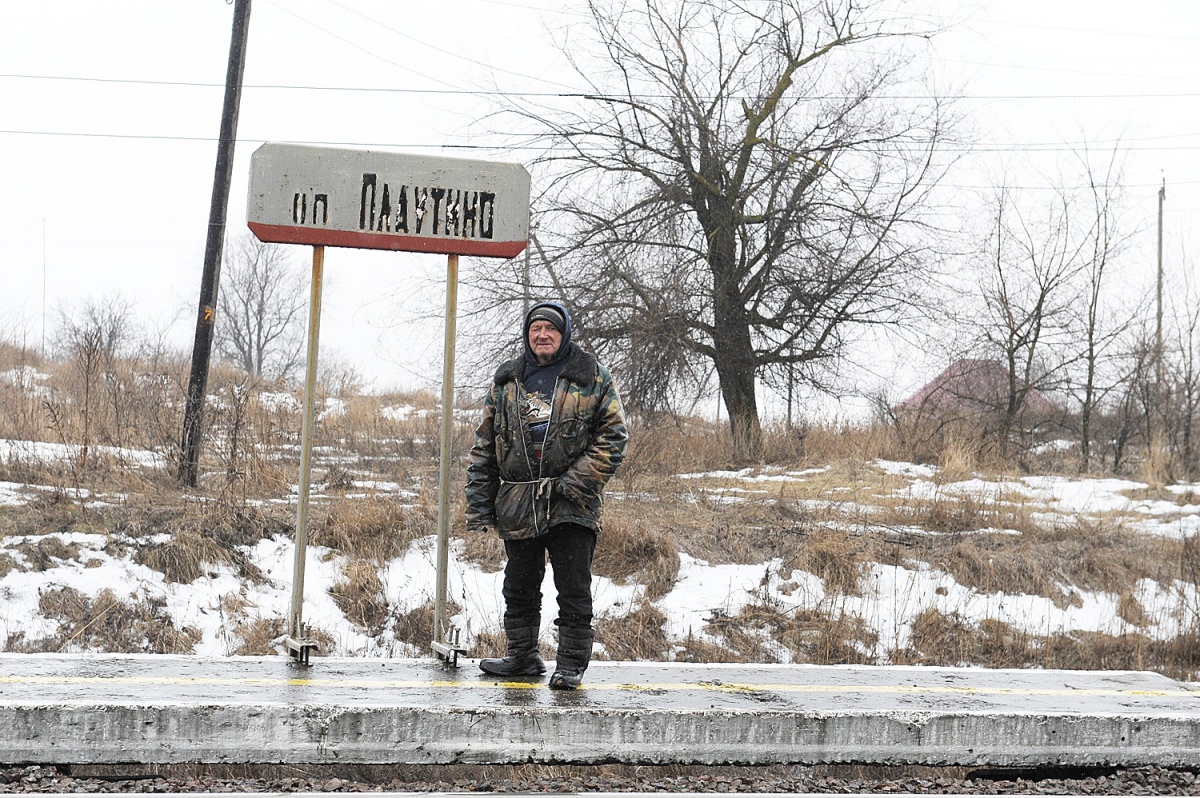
(415, 627)
(669, 448)
(822, 637)
(204, 534)
(1054, 562)
(831, 443)
(957, 459)
(763, 631)
(632, 551)
(939, 639)
(183, 557)
(257, 636)
(1157, 467)
(106, 623)
(359, 594)
(375, 528)
(837, 557)
(834, 524)
(695, 649)
(637, 635)
(484, 550)
(49, 552)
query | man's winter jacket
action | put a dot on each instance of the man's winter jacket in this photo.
(509, 489)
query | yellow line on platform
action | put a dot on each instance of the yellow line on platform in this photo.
(713, 686)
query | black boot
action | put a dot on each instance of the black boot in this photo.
(523, 658)
(574, 653)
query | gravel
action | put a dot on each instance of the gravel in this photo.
(1151, 780)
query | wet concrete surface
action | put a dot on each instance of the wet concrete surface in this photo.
(100, 708)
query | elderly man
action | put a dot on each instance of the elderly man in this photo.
(553, 433)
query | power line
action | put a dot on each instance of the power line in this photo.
(441, 50)
(1075, 31)
(291, 87)
(360, 48)
(590, 93)
(956, 150)
(161, 137)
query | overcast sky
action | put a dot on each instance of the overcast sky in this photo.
(111, 111)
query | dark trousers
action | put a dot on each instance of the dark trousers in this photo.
(570, 547)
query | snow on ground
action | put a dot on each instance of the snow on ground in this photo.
(334, 408)
(42, 452)
(278, 401)
(27, 378)
(890, 598)
(905, 469)
(13, 494)
(408, 412)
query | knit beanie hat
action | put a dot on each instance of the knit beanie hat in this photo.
(546, 313)
(557, 315)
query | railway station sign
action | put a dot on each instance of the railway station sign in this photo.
(371, 199)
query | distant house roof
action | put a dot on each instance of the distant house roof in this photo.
(972, 385)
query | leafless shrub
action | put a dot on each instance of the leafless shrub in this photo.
(262, 302)
(246, 451)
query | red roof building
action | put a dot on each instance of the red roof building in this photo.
(971, 386)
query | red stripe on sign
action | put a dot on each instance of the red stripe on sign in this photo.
(285, 234)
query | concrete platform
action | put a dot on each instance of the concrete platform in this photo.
(62, 709)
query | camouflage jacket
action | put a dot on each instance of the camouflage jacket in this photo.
(508, 489)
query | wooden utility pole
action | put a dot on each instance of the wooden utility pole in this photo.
(1158, 329)
(189, 449)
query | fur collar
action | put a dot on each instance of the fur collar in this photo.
(580, 368)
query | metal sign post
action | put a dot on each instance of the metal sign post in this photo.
(377, 200)
(298, 645)
(447, 638)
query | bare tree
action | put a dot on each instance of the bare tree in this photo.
(1184, 369)
(94, 337)
(741, 188)
(1102, 243)
(262, 304)
(1028, 292)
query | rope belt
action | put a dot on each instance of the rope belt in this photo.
(543, 485)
